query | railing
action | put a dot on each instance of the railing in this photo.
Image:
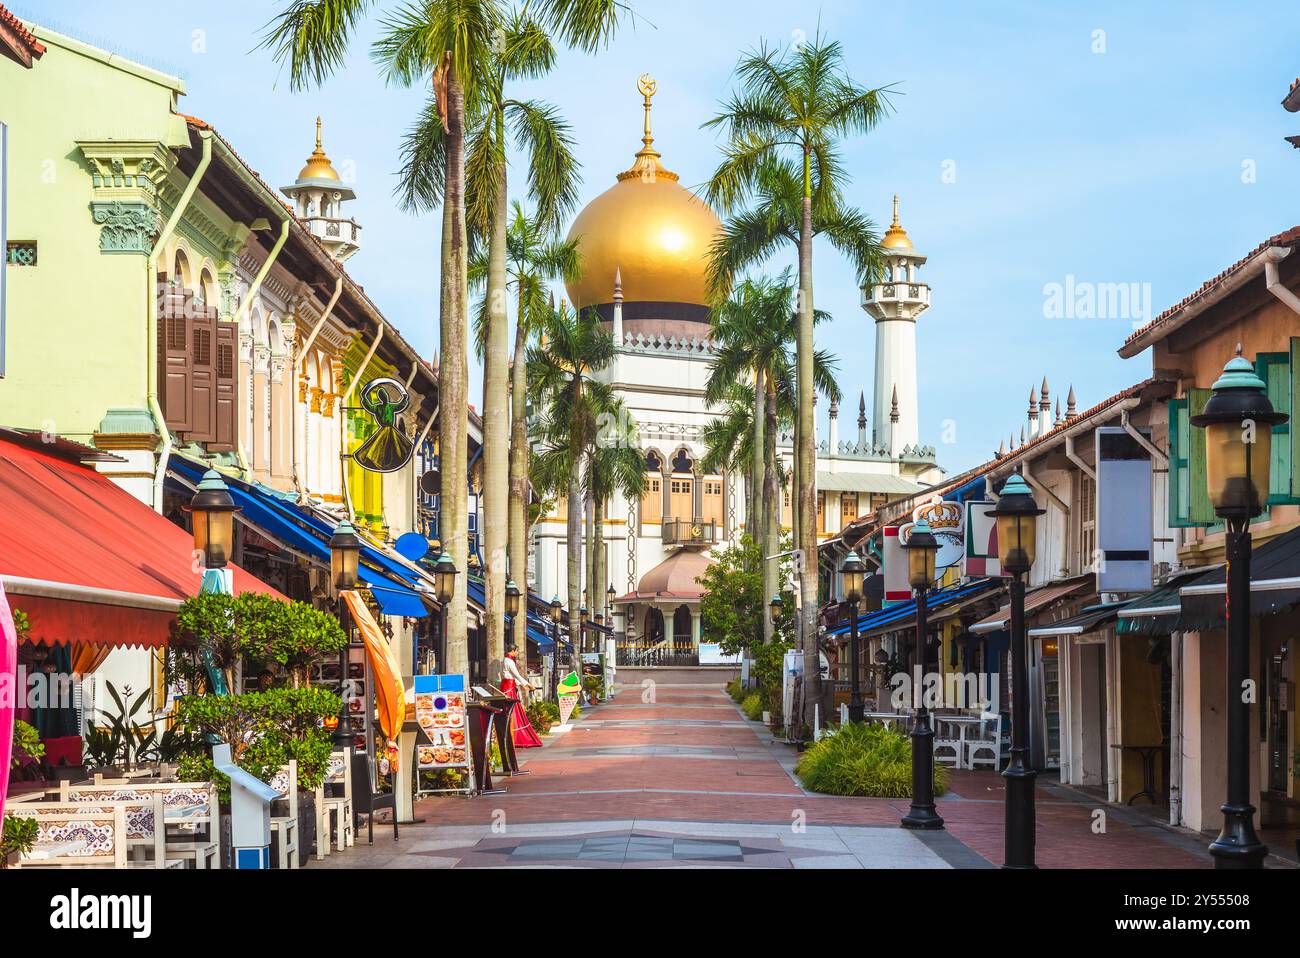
(689, 532)
(656, 655)
(334, 228)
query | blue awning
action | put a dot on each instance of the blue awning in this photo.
(898, 614)
(306, 533)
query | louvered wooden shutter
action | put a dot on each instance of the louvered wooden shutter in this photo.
(176, 372)
(1275, 370)
(227, 341)
(1200, 511)
(203, 356)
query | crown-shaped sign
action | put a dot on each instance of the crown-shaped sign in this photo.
(939, 514)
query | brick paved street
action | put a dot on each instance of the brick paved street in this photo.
(685, 780)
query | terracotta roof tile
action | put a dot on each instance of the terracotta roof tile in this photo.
(1288, 238)
(33, 46)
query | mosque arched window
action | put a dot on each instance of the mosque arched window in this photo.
(652, 496)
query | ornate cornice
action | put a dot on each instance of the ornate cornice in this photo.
(127, 227)
(125, 177)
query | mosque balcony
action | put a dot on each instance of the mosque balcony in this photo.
(905, 292)
(333, 229)
(689, 532)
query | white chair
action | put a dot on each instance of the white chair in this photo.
(987, 749)
(338, 806)
(946, 748)
(184, 806)
(90, 836)
(284, 815)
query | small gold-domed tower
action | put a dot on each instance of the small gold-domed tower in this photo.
(318, 195)
(655, 235)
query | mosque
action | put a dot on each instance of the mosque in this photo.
(644, 243)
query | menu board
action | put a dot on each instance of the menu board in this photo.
(443, 739)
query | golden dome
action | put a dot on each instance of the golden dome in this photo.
(896, 237)
(647, 226)
(318, 165)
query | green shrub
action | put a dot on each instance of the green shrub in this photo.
(265, 729)
(19, 834)
(27, 743)
(863, 760)
(736, 689)
(752, 706)
(542, 713)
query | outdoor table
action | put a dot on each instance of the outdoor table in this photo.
(1148, 754)
(962, 722)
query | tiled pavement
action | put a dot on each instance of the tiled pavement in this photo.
(685, 781)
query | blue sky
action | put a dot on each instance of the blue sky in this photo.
(1026, 147)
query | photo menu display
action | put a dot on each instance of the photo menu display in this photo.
(440, 713)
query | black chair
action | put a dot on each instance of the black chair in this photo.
(365, 800)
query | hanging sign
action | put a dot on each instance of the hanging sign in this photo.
(388, 449)
(946, 521)
(981, 540)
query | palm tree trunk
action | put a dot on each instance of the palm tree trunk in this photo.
(770, 507)
(598, 581)
(519, 488)
(496, 435)
(755, 523)
(589, 566)
(805, 459)
(574, 537)
(453, 423)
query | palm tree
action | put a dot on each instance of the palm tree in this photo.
(583, 419)
(534, 255)
(454, 46)
(753, 332)
(786, 119)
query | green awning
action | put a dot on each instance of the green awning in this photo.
(1159, 611)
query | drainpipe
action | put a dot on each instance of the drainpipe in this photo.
(1140, 439)
(418, 443)
(343, 424)
(297, 357)
(1082, 466)
(247, 305)
(1176, 728)
(1272, 256)
(151, 317)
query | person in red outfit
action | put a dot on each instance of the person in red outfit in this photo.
(512, 683)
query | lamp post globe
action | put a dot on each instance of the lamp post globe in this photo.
(774, 608)
(444, 575)
(213, 512)
(512, 599)
(345, 558)
(1016, 514)
(922, 547)
(1238, 421)
(853, 571)
(556, 611)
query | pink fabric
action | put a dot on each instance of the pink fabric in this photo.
(8, 677)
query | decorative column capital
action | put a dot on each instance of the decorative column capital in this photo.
(317, 394)
(126, 176)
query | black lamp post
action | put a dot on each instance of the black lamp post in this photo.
(583, 616)
(345, 557)
(774, 608)
(213, 512)
(853, 570)
(556, 611)
(444, 583)
(512, 599)
(921, 549)
(1017, 518)
(1238, 420)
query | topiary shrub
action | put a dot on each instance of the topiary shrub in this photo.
(863, 760)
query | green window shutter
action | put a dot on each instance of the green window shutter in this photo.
(1293, 436)
(1275, 370)
(1179, 467)
(1200, 512)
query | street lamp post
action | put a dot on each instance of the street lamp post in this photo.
(1238, 421)
(444, 583)
(1017, 521)
(212, 511)
(853, 570)
(583, 617)
(345, 557)
(921, 549)
(556, 610)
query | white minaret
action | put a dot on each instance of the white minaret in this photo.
(894, 303)
(318, 195)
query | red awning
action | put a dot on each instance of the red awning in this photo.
(87, 561)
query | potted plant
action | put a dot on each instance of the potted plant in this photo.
(19, 834)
